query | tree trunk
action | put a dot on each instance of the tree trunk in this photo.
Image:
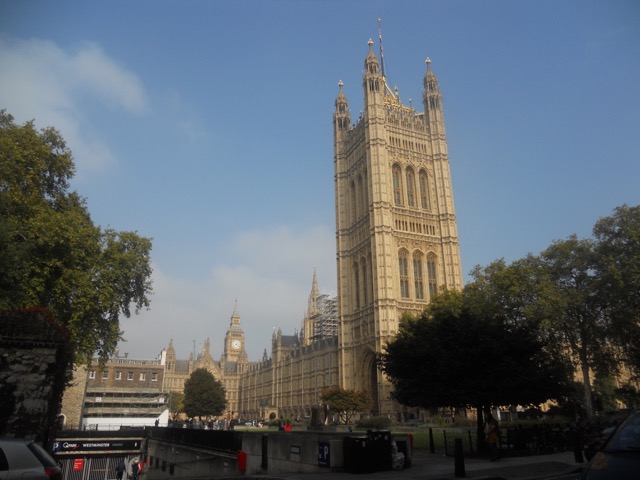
(480, 443)
(586, 382)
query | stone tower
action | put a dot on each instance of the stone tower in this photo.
(397, 239)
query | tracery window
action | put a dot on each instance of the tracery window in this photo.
(411, 188)
(404, 274)
(432, 275)
(397, 185)
(418, 276)
(364, 281)
(424, 190)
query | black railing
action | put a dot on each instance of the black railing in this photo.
(222, 440)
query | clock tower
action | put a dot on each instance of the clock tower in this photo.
(234, 340)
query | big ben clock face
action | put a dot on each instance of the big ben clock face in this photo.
(235, 344)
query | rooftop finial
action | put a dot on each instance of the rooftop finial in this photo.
(381, 50)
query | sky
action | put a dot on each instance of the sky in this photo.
(207, 126)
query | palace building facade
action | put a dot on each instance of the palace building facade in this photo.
(397, 246)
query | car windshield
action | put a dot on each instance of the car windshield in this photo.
(627, 436)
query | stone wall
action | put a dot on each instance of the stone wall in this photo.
(73, 399)
(33, 352)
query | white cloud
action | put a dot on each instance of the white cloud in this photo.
(41, 81)
(271, 281)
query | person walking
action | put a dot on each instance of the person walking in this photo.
(491, 435)
(120, 468)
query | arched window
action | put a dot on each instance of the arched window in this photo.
(353, 202)
(359, 194)
(363, 264)
(404, 273)
(356, 284)
(397, 185)
(424, 190)
(411, 187)
(364, 195)
(432, 275)
(418, 275)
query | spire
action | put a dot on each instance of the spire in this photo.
(313, 295)
(235, 317)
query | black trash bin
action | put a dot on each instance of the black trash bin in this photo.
(381, 446)
(358, 455)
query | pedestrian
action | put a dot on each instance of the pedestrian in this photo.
(120, 468)
(492, 434)
(134, 470)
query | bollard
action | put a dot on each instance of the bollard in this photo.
(432, 447)
(577, 447)
(265, 452)
(459, 459)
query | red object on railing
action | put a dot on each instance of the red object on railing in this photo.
(242, 461)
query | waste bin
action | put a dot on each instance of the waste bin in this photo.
(358, 455)
(381, 446)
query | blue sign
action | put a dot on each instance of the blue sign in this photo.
(324, 454)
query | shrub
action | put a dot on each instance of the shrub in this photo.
(374, 423)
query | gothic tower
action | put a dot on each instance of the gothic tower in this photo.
(397, 239)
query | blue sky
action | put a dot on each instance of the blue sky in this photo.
(206, 125)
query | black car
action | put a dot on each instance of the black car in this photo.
(619, 458)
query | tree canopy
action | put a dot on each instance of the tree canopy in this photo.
(203, 395)
(52, 255)
(455, 357)
(345, 403)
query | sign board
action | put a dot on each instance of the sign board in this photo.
(78, 463)
(101, 445)
(324, 454)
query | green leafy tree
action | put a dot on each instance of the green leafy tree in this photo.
(203, 395)
(456, 357)
(579, 320)
(345, 403)
(618, 263)
(51, 253)
(176, 403)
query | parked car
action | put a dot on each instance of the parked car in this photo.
(414, 422)
(619, 457)
(26, 460)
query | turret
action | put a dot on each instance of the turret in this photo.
(373, 80)
(341, 116)
(432, 98)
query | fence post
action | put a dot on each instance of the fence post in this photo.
(444, 435)
(470, 442)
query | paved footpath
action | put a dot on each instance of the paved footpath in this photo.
(426, 466)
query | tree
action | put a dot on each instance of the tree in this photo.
(176, 404)
(345, 403)
(51, 253)
(456, 357)
(580, 318)
(203, 395)
(618, 263)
